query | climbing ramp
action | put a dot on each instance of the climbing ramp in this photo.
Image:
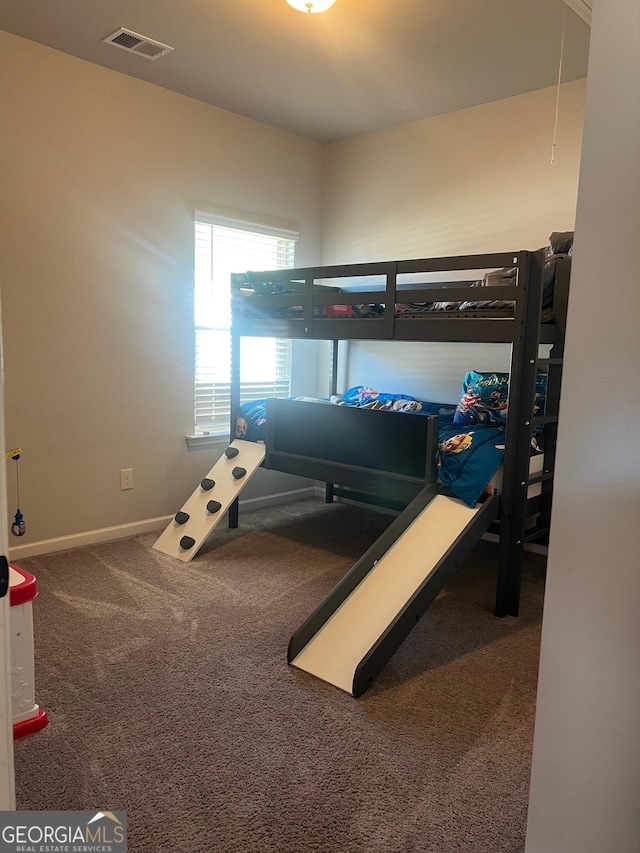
(188, 529)
(363, 620)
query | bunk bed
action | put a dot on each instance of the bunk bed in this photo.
(373, 455)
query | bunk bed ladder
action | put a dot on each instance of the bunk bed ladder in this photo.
(333, 390)
(553, 365)
(234, 508)
(526, 362)
(553, 368)
(522, 382)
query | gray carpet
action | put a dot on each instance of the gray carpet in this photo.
(169, 696)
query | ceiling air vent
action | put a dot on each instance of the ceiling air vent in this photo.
(135, 43)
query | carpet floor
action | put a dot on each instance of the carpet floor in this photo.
(169, 696)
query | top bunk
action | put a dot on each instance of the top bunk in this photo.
(475, 298)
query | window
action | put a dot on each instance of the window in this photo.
(223, 246)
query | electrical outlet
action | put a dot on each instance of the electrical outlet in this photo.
(126, 479)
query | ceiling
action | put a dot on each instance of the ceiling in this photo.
(360, 66)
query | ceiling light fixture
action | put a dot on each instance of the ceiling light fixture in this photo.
(311, 5)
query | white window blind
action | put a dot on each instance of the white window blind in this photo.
(223, 246)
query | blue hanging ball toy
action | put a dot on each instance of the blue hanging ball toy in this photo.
(18, 528)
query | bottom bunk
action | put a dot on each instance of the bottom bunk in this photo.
(385, 461)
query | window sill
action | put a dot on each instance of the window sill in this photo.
(207, 440)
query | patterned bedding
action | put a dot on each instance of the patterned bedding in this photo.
(469, 452)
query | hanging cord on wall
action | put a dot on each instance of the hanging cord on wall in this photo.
(555, 123)
(19, 527)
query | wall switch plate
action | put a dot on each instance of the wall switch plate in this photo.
(126, 479)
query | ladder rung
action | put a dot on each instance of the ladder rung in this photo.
(546, 362)
(545, 419)
(540, 478)
(536, 534)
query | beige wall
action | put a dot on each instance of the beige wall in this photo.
(100, 174)
(585, 783)
(477, 180)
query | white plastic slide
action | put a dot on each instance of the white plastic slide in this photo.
(188, 529)
(336, 650)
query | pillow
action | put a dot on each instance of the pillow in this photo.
(484, 398)
(251, 421)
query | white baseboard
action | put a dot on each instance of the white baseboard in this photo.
(150, 525)
(88, 537)
(136, 528)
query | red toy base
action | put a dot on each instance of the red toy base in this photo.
(30, 726)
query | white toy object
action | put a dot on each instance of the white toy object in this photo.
(27, 716)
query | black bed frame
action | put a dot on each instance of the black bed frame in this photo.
(396, 460)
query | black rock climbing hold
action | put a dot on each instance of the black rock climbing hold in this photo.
(207, 484)
(182, 517)
(231, 452)
(187, 542)
(238, 473)
(214, 506)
